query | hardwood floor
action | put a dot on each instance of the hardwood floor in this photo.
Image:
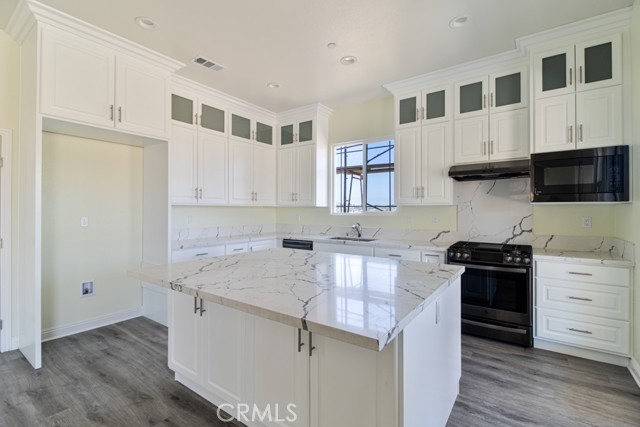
(118, 376)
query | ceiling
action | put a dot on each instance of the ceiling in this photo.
(285, 41)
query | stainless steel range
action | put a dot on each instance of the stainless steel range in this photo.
(497, 290)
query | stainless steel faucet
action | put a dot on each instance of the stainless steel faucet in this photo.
(358, 228)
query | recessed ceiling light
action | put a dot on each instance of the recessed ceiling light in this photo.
(459, 21)
(348, 60)
(331, 45)
(146, 23)
(273, 85)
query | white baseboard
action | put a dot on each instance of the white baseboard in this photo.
(14, 343)
(87, 325)
(634, 368)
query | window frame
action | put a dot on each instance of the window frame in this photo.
(332, 182)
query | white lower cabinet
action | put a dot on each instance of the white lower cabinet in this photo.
(292, 378)
(403, 254)
(584, 305)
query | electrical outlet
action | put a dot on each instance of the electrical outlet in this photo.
(84, 221)
(87, 288)
(409, 219)
(586, 222)
(435, 219)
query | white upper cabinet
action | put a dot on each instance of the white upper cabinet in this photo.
(427, 106)
(579, 95)
(89, 83)
(492, 120)
(303, 156)
(245, 127)
(501, 91)
(197, 151)
(591, 64)
(252, 173)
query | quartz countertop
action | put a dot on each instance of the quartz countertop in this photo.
(581, 257)
(361, 300)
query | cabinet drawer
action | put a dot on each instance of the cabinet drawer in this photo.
(237, 248)
(404, 254)
(583, 273)
(584, 298)
(585, 331)
(197, 253)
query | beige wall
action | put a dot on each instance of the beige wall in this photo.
(628, 216)
(9, 103)
(102, 181)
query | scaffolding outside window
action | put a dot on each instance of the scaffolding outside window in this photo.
(364, 177)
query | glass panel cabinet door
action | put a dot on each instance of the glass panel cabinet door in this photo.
(598, 63)
(407, 111)
(264, 133)
(554, 72)
(240, 127)
(286, 135)
(435, 105)
(508, 90)
(181, 109)
(212, 118)
(305, 131)
(471, 97)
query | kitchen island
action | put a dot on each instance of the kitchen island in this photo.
(295, 338)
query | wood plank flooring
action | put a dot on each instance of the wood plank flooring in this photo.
(118, 376)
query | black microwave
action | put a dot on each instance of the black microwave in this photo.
(586, 175)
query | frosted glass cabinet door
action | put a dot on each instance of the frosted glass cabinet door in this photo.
(212, 118)
(305, 131)
(286, 134)
(554, 72)
(598, 63)
(407, 110)
(471, 97)
(182, 109)
(264, 133)
(508, 90)
(436, 105)
(240, 127)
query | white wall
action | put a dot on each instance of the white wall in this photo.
(9, 103)
(101, 181)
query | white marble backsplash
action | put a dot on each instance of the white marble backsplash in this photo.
(488, 211)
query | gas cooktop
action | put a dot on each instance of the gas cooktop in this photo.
(491, 253)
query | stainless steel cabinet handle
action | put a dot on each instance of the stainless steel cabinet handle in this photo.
(570, 133)
(120, 114)
(580, 133)
(200, 193)
(491, 104)
(196, 191)
(417, 114)
(195, 305)
(202, 254)
(422, 192)
(580, 299)
(422, 115)
(202, 310)
(437, 312)
(577, 273)
(300, 343)
(580, 75)
(195, 118)
(491, 147)
(484, 148)
(111, 112)
(395, 255)
(237, 249)
(311, 347)
(570, 76)
(484, 101)
(580, 330)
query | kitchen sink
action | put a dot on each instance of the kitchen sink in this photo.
(353, 239)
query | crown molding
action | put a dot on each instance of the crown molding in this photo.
(316, 108)
(180, 82)
(21, 23)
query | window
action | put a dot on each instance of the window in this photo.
(364, 177)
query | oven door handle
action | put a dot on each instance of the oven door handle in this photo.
(491, 268)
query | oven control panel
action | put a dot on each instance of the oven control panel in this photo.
(490, 253)
(517, 258)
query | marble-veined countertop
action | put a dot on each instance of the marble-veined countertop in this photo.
(364, 301)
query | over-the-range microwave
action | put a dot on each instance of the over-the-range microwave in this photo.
(586, 175)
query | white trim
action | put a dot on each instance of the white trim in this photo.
(598, 356)
(634, 368)
(6, 341)
(87, 325)
(20, 23)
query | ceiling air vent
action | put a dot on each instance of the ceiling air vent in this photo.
(208, 63)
